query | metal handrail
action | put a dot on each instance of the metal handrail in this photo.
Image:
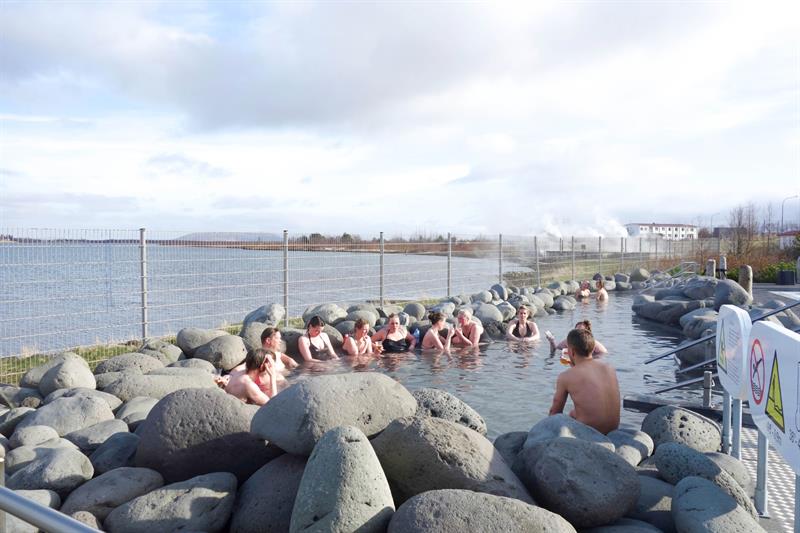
(39, 515)
(683, 384)
(709, 337)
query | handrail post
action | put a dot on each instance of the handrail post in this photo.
(143, 277)
(761, 475)
(622, 254)
(449, 264)
(726, 422)
(536, 253)
(500, 258)
(286, 276)
(381, 271)
(708, 383)
(573, 257)
(736, 422)
(600, 254)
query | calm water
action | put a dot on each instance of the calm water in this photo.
(511, 386)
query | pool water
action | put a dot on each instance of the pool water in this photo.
(511, 384)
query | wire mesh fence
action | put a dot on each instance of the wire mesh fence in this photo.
(100, 292)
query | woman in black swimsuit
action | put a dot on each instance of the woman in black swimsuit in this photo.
(522, 329)
(315, 345)
(395, 338)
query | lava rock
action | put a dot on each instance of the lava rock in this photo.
(132, 385)
(189, 339)
(728, 291)
(441, 404)
(633, 446)
(675, 424)
(225, 352)
(270, 314)
(119, 450)
(108, 491)
(58, 469)
(700, 506)
(70, 373)
(129, 362)
(90, 438)
(510, 444)
(66, 415)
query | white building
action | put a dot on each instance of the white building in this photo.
(672, 232)
(786, 239)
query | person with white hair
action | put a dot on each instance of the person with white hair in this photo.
(468, 329)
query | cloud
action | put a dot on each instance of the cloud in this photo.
(185, 166)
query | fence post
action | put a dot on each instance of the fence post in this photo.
(641, 257)
(536, 252)
(143, 275)
(449, 264)
(600, 254)
(381, 271)
(621, 254)
(656, 253)
(286, 276)
(573, 257)
(500, 259)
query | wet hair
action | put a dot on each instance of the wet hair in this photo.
(525, 307)
(586, 324)
(435, 317)
(314, 322)
(581, 342)
(391, 316)
(600, 283)
(267, 333)
(360, 323)
(255, 359)
(467, 312)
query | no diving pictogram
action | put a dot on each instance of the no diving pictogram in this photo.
(758, 374)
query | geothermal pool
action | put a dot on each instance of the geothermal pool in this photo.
(511, 385)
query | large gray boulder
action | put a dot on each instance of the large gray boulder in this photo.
(639, 274)
(11, 418)
(32, 377)
(488, 312)
(329, 313)
(203, 503)
(18, 395)
(676, 461)
(564, 303)
(270, 314)
(196, 364)
(70, 373)
(675, 424)
(370, 317)
(225, 352)
(457, 511)
(198, 431)
(633, 446)
(90, 438)
(189, 339)
(700, 506)
(357, 498)
(116, 452)
(734, 467)
(135, 411)
(108, 491)
(112, 401)
(296, 419)
(32, 436)
(561, 425)
(420, 454)
(700, 288)
(58, 469)
(654, 503)
(170, 352)
(728, 291)
(265, 501)
(66, 415)
(157, 386)
(24, 455)
(666, 311)
(510, 444)
(251, 335)
(699, 324)
(441, 404)
(48, 498)
(129, 362)
(481, 297)
(606, 486)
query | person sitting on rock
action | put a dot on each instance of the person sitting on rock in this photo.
(522, 329)
(315, 345)
(583, 291)
(439, 334)
(271, 340)
(602, 293)
(599, 349)
(394, 338)
(591, 384)
(359, 342)
(257, 382)
(468, 330)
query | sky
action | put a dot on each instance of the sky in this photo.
(405, 117)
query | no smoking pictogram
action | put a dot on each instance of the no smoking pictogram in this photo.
(758, 374)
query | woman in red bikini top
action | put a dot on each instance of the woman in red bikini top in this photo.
(248, 384)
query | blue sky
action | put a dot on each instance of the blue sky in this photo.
(567, 117)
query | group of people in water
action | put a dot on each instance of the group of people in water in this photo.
(591, 384)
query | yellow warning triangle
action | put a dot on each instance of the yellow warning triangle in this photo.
(774, 407)
(722, 360)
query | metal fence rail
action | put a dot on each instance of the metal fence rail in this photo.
(99, 289)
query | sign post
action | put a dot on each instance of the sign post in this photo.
(733, 332)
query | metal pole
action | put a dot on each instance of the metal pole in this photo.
(796, 503)
(42, 517)
(600, 254)
(381, 271)
(3, 484)
(143, 276)
(641, 257)
(656, 253)
(736, 422)
(536, 252)
(707, 384)
(726, 422)
(449, 264)
(761, 475)
(573, 257)
(286, 276)
(622, 254)
(500, 259)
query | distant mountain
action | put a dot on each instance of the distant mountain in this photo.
(231, 236)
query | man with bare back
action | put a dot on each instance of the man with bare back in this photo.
(590, 383)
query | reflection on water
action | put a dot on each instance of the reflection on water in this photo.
(511, 384)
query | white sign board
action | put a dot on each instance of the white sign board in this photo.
(733, 332)
(773, 364)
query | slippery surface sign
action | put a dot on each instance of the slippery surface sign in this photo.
(733, 331)
(773, 385)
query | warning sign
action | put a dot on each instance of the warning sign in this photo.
(774, 393)
(757, 373)
(722, 360)
(774, 407)
(733, 331)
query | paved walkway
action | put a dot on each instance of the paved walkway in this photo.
(780, 484)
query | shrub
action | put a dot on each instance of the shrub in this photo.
(769, 274)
